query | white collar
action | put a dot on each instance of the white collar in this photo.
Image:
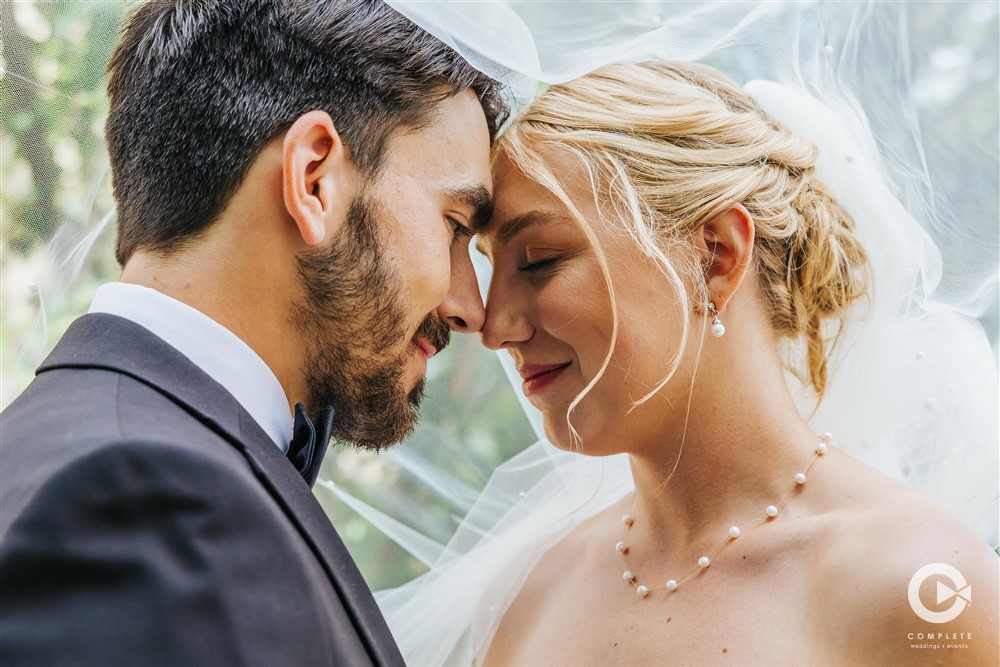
(210, 346)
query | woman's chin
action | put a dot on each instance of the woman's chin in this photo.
(586, 440)
(557, 432)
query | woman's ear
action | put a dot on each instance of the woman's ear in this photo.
(317, 176)
(726, 246)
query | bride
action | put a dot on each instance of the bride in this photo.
(647, 266)
(657, 273)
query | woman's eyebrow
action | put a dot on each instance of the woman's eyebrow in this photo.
(507, 230)
(511, 227)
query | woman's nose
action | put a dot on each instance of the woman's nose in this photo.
(506, 322)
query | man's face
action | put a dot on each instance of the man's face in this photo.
(382, 297)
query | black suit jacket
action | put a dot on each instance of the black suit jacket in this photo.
(146, 519)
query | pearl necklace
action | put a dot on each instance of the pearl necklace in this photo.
(734, 531)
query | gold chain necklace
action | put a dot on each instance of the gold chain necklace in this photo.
(734, 531)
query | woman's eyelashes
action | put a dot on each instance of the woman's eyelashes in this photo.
(539, 266)
(545, 260)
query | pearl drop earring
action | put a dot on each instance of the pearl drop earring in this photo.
(718, 328)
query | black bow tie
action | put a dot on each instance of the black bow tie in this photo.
(310, 442)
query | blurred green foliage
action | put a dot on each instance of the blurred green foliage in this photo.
(52, 97)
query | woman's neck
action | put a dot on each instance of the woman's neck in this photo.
(737, 454)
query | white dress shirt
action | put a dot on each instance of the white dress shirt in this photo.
(210, 346)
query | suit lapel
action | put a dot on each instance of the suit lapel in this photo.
(277, 473)
(116, 344)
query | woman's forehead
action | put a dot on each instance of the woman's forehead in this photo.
(517, 192)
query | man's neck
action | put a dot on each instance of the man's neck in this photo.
(247, 302)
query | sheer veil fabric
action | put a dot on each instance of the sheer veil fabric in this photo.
(913, 384)
(907, 130)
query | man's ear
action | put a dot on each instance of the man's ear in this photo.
(726, 246)
(316, 171)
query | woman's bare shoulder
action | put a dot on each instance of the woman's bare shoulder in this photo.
(544, 592)
(577, 549)
(881, 559)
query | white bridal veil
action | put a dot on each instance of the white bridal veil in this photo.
(902, 100)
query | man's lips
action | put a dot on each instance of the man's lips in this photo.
(432, 336)
(426, 347)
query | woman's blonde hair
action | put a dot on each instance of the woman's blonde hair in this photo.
(667, 147)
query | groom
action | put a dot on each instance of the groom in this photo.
(296, 184)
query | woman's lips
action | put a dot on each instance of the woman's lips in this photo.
(538, 377)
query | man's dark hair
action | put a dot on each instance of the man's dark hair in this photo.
(198, 88)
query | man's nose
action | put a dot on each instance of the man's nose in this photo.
(462, 308)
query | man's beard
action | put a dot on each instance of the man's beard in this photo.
(353, 321)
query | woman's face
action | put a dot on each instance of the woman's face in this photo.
(548, 305)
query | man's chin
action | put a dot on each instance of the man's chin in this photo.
(415, 397)
(379, 428)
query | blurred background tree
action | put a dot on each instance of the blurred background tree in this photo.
(55, 189)
(56, 235)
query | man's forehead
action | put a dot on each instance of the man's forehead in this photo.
(455, 128)
(454, 175)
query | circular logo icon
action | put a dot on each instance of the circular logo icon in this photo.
(960, 590)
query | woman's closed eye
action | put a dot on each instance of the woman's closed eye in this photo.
(540, 265)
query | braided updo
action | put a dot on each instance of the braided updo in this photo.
(673, 145)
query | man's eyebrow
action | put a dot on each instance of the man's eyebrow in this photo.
(476, 197)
